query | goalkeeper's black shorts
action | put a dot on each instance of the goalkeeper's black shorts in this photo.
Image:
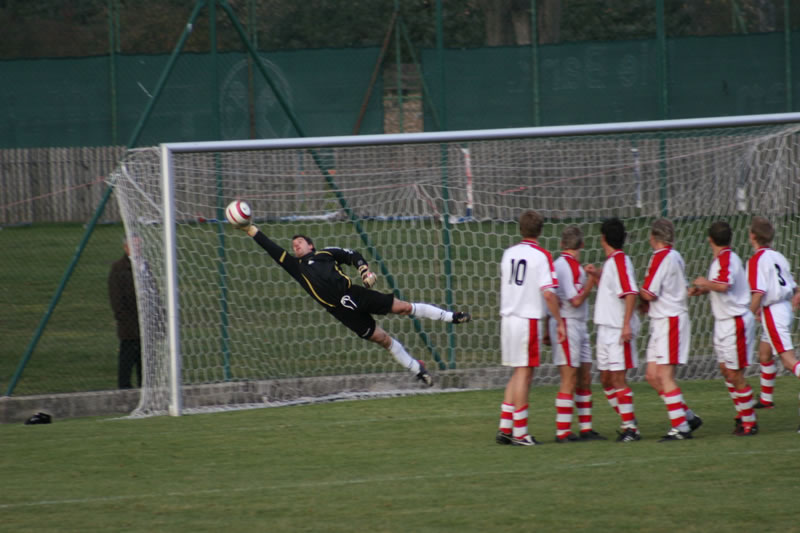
(356, 307)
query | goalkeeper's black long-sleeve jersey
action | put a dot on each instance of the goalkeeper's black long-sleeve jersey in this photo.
(318, 272)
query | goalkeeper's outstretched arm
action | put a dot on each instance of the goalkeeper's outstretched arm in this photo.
(281, 256)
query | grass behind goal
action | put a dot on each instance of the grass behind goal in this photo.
(423, 463)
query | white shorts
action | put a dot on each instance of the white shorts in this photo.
(776, 326)
(521, 341)
(733, 341)
(611, 355)
(576, 348)
(669, 340)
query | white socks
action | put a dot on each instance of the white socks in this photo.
(403, 357)
(431, 311)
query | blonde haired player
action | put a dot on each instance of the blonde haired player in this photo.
(527, 284)
(734, 324)
(773, 294)
(665, 290)
(573, 356)
(617, 325)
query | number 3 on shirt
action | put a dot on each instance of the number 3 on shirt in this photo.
(781, 281)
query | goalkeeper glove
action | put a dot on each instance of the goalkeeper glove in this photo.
(249, 228)
(369, 278)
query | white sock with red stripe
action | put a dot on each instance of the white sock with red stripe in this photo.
(403, 357)
(796, 369)
(734, 396)
(583, 404)
(506, 417)
(611, 396)
(431, 311)
(564, 408)
(731, 389)
(745, 403)
(768, 373)
(625, 406)
(677, 413)
(520, 422)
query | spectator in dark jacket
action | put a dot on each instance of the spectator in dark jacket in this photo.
(122, 293)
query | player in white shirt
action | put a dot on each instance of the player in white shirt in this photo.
(573, 356)
(774, 293)
(527, 291)
(665, 293)
(617, 325)
(734, 324)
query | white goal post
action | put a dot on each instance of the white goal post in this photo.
(224, 327)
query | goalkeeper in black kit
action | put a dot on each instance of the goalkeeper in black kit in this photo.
(320, 274)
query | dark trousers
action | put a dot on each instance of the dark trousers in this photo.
(130, 356)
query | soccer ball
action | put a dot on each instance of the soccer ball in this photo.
(238, 213)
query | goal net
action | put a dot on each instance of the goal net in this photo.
(223, 326)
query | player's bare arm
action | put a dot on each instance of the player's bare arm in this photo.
(702, 285)
(551, 300)
(627, 331)
(755, 303)
(647, 296)
(796, 298)
(578, 300)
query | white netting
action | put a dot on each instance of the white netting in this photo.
(434, 227)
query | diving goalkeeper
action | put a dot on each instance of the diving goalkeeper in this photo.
(319, 273)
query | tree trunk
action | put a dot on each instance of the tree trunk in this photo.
(549, 21)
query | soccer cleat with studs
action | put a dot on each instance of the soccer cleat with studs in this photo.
(591, 435)
(460, 317)
(569, 437)
(628, 435)
(695, 423)
(525, 440)
(764, 405)
(424, 376)
(502, 438)
(746, 431)
(676, 434)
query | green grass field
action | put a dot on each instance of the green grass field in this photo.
(423, 463)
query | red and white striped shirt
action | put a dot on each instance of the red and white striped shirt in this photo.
(616, 282)
(526, 271)
(769, 273)
(666, 280)
(571, 281)
(727, 269)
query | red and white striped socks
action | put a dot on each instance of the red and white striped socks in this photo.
(583, 403)
(611, 396)
(564, 408)
(520, 422)
(676, 409)
(506, 418)
(625, 407)
(744, 404)
(768, 373)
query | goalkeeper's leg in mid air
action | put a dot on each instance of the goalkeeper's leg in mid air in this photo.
(397, 350)
(359, 304)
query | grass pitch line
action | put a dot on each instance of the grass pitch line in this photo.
(535, 468)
